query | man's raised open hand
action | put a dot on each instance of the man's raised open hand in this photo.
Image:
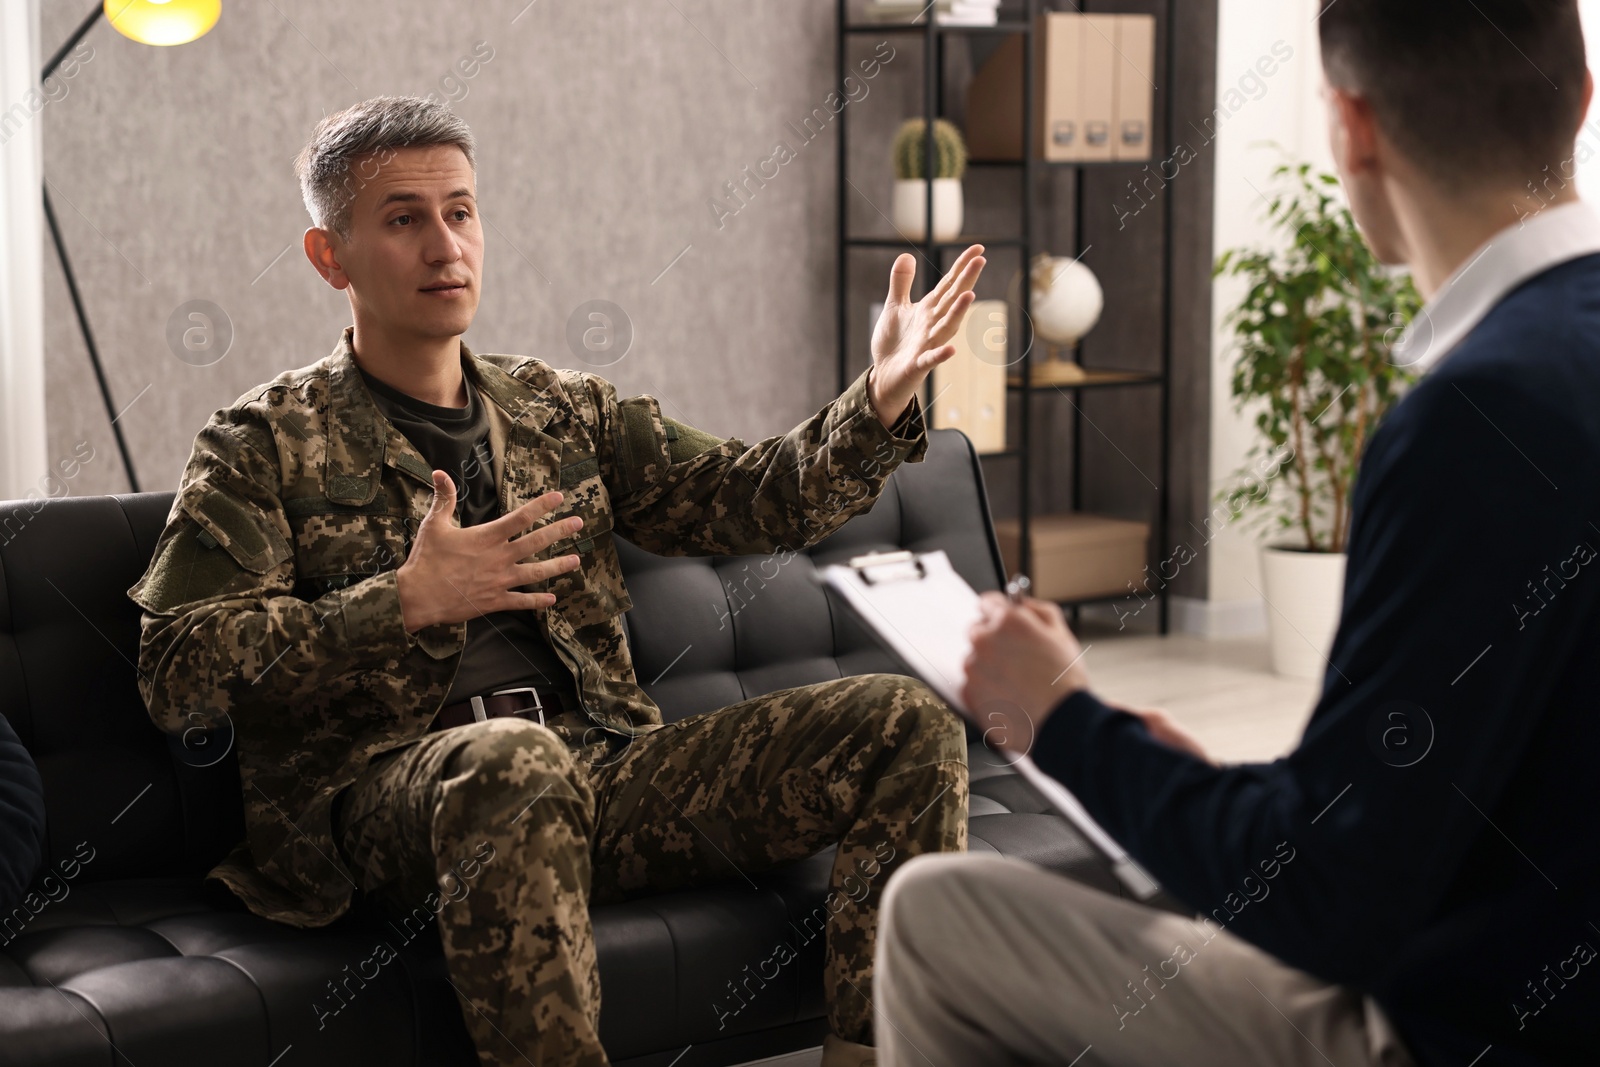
(456, 573)
(911, 339)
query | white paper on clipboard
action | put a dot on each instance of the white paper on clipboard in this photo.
(922, 611)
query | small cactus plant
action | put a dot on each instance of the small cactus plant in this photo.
(949, 150)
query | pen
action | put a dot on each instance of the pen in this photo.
(1017, 588)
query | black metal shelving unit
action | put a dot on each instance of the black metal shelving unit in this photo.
(935, 37)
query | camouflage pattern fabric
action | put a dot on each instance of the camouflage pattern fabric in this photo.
(271, 609)
(526, 832)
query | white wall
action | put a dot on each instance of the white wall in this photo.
(1588, 154)
(23, 470)
(1272, 112)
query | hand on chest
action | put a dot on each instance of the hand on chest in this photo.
(337, 544)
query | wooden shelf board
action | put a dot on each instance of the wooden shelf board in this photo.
(892, 241)
(1042, 378)
(1061, 162)
(1004, 26)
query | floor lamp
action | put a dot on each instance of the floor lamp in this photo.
(148, 22)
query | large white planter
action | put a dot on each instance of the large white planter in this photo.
(910, 208)
(1303, 591)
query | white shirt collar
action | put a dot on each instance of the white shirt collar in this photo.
(1505, 261)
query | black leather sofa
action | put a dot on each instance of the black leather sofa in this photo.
(126, 956)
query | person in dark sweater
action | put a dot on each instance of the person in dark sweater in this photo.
(21, 818)
(1419, 880)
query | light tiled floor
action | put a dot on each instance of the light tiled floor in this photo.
(1224, 692)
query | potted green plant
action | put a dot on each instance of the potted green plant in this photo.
(910, 207)
(1313, 333)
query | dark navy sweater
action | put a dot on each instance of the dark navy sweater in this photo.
(1440, 811)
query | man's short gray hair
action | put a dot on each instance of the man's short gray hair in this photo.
(329, 176)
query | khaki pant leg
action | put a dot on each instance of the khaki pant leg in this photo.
(486, 827)
(876, 763)
(987, 960)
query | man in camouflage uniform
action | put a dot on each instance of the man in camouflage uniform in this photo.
(313, 587)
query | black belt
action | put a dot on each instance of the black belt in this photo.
(523, 701)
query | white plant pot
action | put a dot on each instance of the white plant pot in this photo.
(910, 209)
(1303, 591)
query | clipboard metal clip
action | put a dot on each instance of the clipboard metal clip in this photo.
(877, 568)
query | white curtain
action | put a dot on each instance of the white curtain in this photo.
(23, 464)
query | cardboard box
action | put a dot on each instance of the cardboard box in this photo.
(1079, 556)
(1136, 58)
(969, 388)
(1060, 95)
(1097, 94)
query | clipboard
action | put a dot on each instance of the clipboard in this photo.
(921, 611)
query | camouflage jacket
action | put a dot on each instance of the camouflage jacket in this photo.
(271, 609)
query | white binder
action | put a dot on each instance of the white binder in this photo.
(921, 610)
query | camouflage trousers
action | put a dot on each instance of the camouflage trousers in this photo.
(511, 834)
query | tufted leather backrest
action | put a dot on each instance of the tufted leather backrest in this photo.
(705, 632)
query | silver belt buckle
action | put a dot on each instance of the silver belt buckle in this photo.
(538, 705)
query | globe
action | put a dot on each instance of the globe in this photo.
(1067, 299)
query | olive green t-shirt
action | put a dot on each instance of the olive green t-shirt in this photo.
(504, 648)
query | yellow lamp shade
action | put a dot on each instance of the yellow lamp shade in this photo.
(163, 21)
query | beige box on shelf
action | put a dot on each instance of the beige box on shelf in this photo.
(1079, 556)
(1060, 94)
(1097, 94)
(969, 388)
(1136, 58)
(1092, 90)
